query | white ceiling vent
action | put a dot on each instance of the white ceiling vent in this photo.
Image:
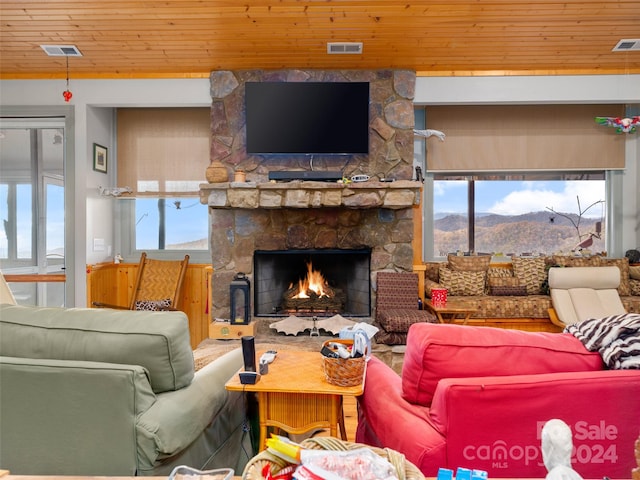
(627, 44)
(354, 48)
(61, 50)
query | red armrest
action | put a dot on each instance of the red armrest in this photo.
(385, 419)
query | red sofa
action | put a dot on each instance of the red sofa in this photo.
(477, 397)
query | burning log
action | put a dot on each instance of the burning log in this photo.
(313, 302)
(313, 294)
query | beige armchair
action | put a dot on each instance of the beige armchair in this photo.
(579, 293)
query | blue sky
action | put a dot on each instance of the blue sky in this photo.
(518, 197)
(189, 221)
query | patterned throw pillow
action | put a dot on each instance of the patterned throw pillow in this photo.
(501, 272)
(531, 272)
(572, 261)
(506, 286)
(153, 305)
(634, 272)
(505, 291)
(473, 263)
(462, 283)
(623, 264)
(431, 271)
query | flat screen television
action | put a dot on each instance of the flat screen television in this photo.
(305, 118)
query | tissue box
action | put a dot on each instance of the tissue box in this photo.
(439, 296)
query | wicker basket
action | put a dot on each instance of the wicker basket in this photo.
(344, 372)
(404, 469)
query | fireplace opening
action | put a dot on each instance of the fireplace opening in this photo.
(313, 282)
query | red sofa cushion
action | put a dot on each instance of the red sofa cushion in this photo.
(436, 351)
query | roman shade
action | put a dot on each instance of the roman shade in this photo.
(163, 151)
(486, 138)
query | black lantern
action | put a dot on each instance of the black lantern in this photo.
(240, 300)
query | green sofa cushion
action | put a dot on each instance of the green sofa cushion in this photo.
(157, 341)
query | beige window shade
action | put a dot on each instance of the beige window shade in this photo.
(523, 137)
(163, 151)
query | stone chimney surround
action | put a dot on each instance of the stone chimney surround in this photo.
(264, 215)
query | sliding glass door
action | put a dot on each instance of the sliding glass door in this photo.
(32, 206)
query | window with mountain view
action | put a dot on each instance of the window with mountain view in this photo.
(519, 214)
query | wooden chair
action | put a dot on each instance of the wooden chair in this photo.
(6, 296)
(397, 307)
(158, 285)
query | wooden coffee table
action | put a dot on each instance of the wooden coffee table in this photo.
(449, 311)
(295, 396)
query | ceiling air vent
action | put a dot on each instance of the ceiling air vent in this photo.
(627, 44)
(344, 47)
(61, 50)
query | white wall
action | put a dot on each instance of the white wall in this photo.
(93, 101)
(528, 89)
(99, 228)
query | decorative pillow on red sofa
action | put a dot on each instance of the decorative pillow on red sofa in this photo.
(436, 351)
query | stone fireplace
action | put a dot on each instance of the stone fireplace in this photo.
(307, 216)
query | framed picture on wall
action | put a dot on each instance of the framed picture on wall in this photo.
(99, 158)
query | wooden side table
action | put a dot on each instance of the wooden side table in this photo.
(449, 311)
(295, 396)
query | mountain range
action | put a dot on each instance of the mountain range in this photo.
(536, 232)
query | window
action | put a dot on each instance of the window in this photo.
(518, 214)
(163, 154)
(165, 226)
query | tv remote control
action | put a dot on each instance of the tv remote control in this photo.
(268, 356)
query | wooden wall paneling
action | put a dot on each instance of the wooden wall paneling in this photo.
(102, 283)
(417, 233)
(195, 301)
(113, 283)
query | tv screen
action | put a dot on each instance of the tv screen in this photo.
(330, 118)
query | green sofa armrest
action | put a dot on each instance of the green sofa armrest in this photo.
(179, 417)
(68, 417)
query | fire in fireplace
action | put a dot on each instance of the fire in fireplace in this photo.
(313, 294)
(314, 282)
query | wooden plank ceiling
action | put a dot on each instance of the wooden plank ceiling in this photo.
(190, 38)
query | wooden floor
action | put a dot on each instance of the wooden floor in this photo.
(350, 419)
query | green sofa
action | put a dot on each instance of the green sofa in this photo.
(113, 393)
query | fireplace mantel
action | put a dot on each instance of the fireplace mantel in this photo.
(310, 194)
